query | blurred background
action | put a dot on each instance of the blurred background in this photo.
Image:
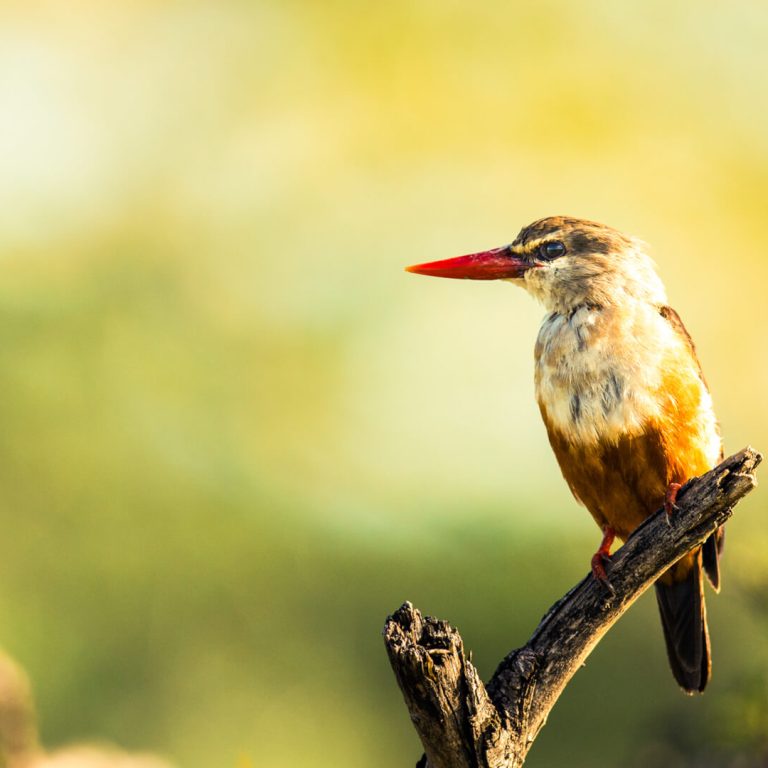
(235, 435)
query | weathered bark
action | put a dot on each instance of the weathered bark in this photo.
(465, 724)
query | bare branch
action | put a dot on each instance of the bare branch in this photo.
(464, 724)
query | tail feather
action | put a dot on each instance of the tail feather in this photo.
(684, 620)
(711, 551)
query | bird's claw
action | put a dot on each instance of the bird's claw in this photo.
(598, 569)
(603, 555)
(670, 510)
(669, 500)
(599, 572)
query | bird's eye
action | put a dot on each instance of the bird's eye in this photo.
(551, 250)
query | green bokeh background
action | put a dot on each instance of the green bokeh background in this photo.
(235, 435)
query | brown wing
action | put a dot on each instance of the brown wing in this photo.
(713, 546)
(674, 320)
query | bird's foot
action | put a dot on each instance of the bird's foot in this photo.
(602, 556)
(670, 497)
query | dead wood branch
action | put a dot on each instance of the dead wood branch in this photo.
(465, 724)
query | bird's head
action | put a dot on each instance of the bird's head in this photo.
(564, 262)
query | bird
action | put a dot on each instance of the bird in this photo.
(626, 407)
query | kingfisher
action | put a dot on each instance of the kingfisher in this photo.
(627, 411)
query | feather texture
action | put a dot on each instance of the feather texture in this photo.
(628, 412)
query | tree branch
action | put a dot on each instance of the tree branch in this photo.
(464, 724)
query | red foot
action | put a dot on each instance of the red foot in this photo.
(603, 554)
(670, 497)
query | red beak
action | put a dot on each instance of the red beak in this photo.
(495, 264)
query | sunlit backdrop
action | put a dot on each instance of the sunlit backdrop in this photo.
(236, 435)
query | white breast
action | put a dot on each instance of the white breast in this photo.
(598, 370)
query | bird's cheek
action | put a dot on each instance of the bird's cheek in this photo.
(537, 278)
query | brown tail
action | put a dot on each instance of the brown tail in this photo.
(710, 556)
(684, 620)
